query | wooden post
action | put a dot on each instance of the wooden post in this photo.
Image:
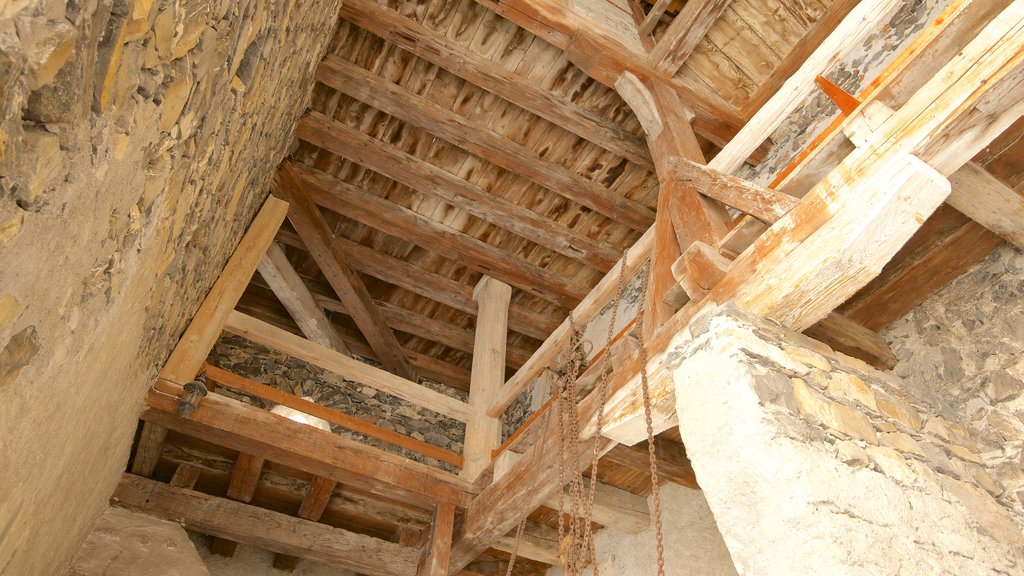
(483, 432)
(439, 548)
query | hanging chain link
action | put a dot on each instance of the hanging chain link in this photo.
(655, 490)
(515, 547)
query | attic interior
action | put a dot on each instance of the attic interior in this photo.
(511, 287)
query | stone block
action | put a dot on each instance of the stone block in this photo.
(902, 442)
(849, 387)
(174, 99)
(774, 388)
(963, 453)
(807, 357)
(1000, 386)
(936, 426)
(10, 227)
(10, 309)
(892, 464)
(48, 45)
(851, 454)
(834, 415)
(41, 163)
(938, 460)
(899, 411)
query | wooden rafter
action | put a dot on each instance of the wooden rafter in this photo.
(418, 174)
(264, 528)
(479, 140)
(451, 56)
(309, 223)
(312, 508)
(378, 213)
(687, 29)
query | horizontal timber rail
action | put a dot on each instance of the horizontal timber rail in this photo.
(254, 388)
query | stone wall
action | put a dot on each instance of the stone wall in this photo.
(136, 142)
(238, 355)
(124, 542)
(693, 545)
(813, 462)
(962, 352)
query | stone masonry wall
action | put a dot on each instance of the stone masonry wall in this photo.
(813, 462)
(136, 142)
(962, 352)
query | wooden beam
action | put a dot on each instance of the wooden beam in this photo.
(606, 289)
(483, 432)
(539, 542)
(615, 507)
(439, 547)
(289, 288)
(312, 508)
(245, 428)
(762, 203)
(378, 213)
(403, 320)
(266, 529)
(673, 466)
(985, 199)
(197, 341)
(418, 174)
(317, 237)
(244, 477)
(147, 451)
(425, 283)
(687, 29)
(185, 476)
(337, 363)
(247, 386)
(479, 140)
(853, 339)
(453, 57)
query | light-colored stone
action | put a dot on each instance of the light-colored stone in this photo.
(850, 453)
(49, 45)
(964, 454)
(898, 410)
(936, 426)
(175, 97)
(902, 442)
(124, 542)
(10, 309)
(10, 227)
(892, 464)
(834, 415)
(849, 387)
(42, 165)
(807, 357)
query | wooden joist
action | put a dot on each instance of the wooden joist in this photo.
(687, 29)
(312, 508)
(380, 214)
(147, 452)
(332, 361)
(672, 463)
(289, 288)
(244, 477)
(439, 547)
(539, 542)
(266, 529)
(483, 432)
(425, 283)
(453, 57)
(418, 174)
(762, 203)
(248, 429)
(479, 140)
(316, 235)
(614, 507)
(985, 199)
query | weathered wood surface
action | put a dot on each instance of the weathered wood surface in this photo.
(246, 428)
(266, 529)
(439, 548)
(332, 361)
(687, 29)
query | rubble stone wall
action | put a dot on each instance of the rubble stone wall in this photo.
(813, 462)
(136, 142)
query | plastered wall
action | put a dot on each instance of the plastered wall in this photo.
(136, 142)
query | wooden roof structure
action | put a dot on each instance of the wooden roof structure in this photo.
(469, 171)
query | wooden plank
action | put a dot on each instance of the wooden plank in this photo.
(289, 288)
(853, 339)
(313, 505)
(539, 542)
(615, 507)
(687, 29)
(248, 429)
(440, 546)
(605, 290)
(988, 201)
(388, 217)
(673, 466)
(185, 476)
(263, 528)
(425, 283)
(451, 56)
(247, 386)
(483, 432)
(147, 452)
(198, 339)
(764, 204)
(309, 223)
(332, 361)
(479, 140)
(245, 477)
(418, 174)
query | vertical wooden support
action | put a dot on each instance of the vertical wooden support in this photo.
(439, 548)
(148, 452)
(483, 432)
(241, 487)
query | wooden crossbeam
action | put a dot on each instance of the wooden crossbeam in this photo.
(687, 29)
(614, 507)
(337, 363)
(289, 288)
(453, 57)
(483, 432)
(248, 429)
(420, 175)
(985, 199)
(380, 214)
(762, 203)
(539, 542)
(241, 487)
(312, 508)
(432, 286)
(309, 223)
(479, 140)
(264, 528)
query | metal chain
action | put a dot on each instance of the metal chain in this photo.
(655, 491)
(515, 547)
